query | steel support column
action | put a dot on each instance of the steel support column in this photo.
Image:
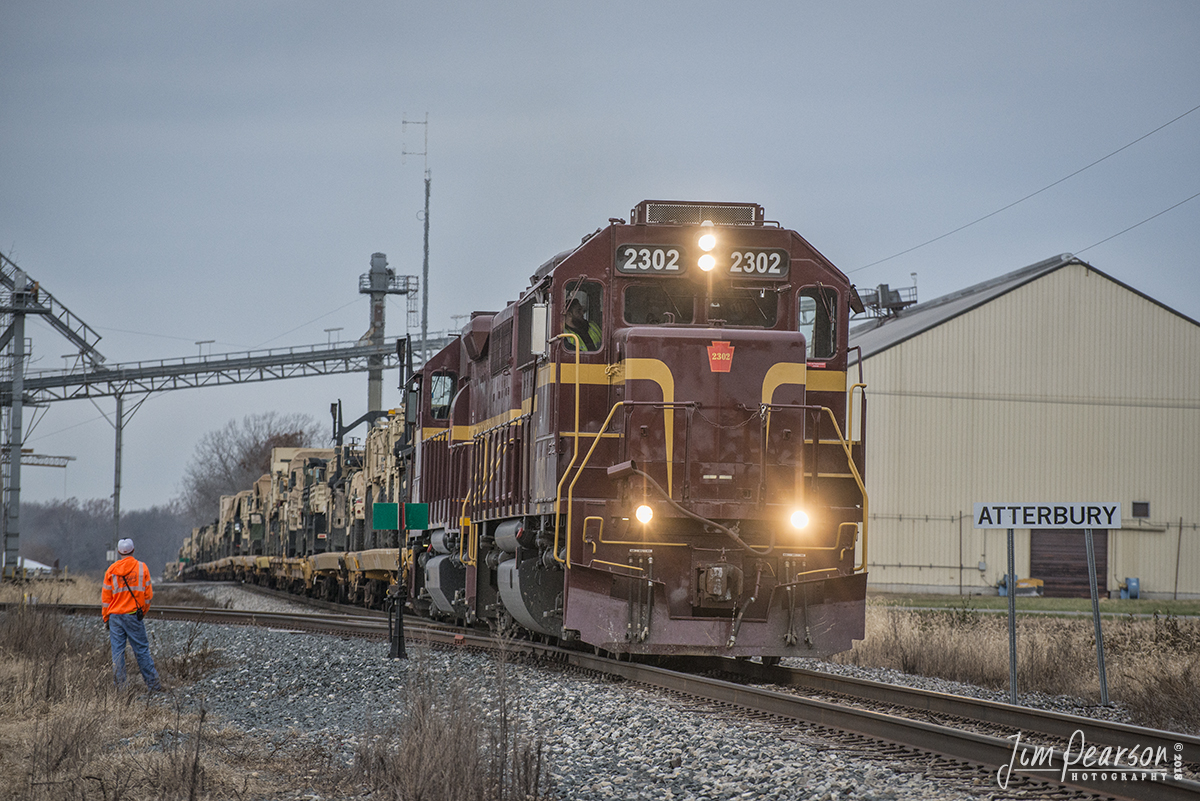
(12, 500)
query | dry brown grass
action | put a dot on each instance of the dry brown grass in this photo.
(83, 589)
(1153, 665)
(66, 732)
(445, 747)
(80, 589)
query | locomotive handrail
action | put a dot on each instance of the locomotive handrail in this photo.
(857, 361)
(483, 441)
(600, 539)
(558, 497)
(857, 479)
(850, 408)
(467, 525)
(587, 458)
(767, 408)
(574, 451)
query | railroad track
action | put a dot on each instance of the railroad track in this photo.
(1043, 726)
(1025, 765)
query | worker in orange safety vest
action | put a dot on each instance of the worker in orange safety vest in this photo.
(124, 601)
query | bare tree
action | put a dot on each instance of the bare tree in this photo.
(76, 533)
(232, 458)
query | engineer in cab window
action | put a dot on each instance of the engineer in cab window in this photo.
(575, 322)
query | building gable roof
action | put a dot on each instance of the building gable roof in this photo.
(877, 335)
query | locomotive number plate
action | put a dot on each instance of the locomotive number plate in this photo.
(757, 263)
(650, 260)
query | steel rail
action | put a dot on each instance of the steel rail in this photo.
(1025, 719)
(290, 597)
(357, 624)
(992, 752)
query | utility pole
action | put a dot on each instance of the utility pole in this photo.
(424, 154)
(118, 424)
(425, 276)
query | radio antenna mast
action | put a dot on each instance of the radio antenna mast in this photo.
(424, 154)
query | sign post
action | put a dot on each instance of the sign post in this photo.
(1091, 557)
(1011, 585)
(1084, 516)
(398, 517)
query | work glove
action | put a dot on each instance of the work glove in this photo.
(106, 628)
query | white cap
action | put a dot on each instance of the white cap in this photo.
(125, 547)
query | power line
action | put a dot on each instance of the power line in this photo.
(230, 344)
(302, 325)
(1143, 222)
(1034, 194)
(191, 339)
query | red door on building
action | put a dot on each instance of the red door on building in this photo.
(1059, 558)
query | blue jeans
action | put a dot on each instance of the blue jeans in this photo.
(128, 627)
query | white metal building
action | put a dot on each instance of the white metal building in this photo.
(1054, 383)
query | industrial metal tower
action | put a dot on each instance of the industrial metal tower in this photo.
(21, 296)
(379, 283)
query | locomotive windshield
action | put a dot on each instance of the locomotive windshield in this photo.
(675, 302)
(660, 302)
(744, 306)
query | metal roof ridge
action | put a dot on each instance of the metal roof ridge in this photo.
(1016, 277)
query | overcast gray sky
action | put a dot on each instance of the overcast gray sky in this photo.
(223, 170)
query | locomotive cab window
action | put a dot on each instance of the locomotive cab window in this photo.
(659, 303)
(582, 315)
(412, 400)
(817, 320)
(441, 392)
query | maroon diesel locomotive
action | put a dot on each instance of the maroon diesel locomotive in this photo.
(655, 450)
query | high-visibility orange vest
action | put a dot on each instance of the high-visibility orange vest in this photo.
(126, 587)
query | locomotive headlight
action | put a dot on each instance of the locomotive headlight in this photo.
(644, 514)
(707, 262)
(799, 519)
(707, 242)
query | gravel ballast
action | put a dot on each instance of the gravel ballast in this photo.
(603, 739)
